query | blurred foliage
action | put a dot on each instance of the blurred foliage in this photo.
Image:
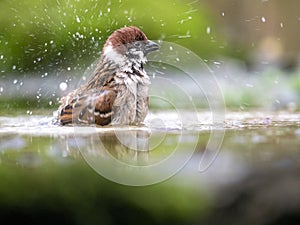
(65, 36)
(42, 35)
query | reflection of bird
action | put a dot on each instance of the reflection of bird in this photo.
(117, 92)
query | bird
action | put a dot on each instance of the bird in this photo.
(117, 92)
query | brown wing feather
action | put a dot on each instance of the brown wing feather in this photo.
(91, 103)
(92, 107)
(103, 107)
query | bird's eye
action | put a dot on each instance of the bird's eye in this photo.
(137, 44)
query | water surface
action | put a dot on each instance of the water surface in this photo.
(51, 170)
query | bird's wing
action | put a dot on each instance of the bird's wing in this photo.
(91, 103)
(88, 107)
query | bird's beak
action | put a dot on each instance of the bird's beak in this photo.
(151, 46)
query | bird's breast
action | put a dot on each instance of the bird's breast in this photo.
(131, 103)
(131, 81)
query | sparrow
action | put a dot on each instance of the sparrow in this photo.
(117, 92)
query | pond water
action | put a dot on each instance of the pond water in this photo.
(162, 147)
(197, 159)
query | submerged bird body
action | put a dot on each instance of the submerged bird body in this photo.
(117, 92)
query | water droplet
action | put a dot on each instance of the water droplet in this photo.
(281, 24)
(108, 10)
(263, 19)
(177, 59)
(77, 19)
(171, 48)
(222, 13)
(1, 57)
(69, 68)
(15, 81)
(14, 67)
(63, 86)
(208, 30)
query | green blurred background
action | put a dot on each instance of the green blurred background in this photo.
(39, 35)
(253, 41)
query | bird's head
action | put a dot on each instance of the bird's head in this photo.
(128, 45)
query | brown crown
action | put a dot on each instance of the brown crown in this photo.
(125, 36)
